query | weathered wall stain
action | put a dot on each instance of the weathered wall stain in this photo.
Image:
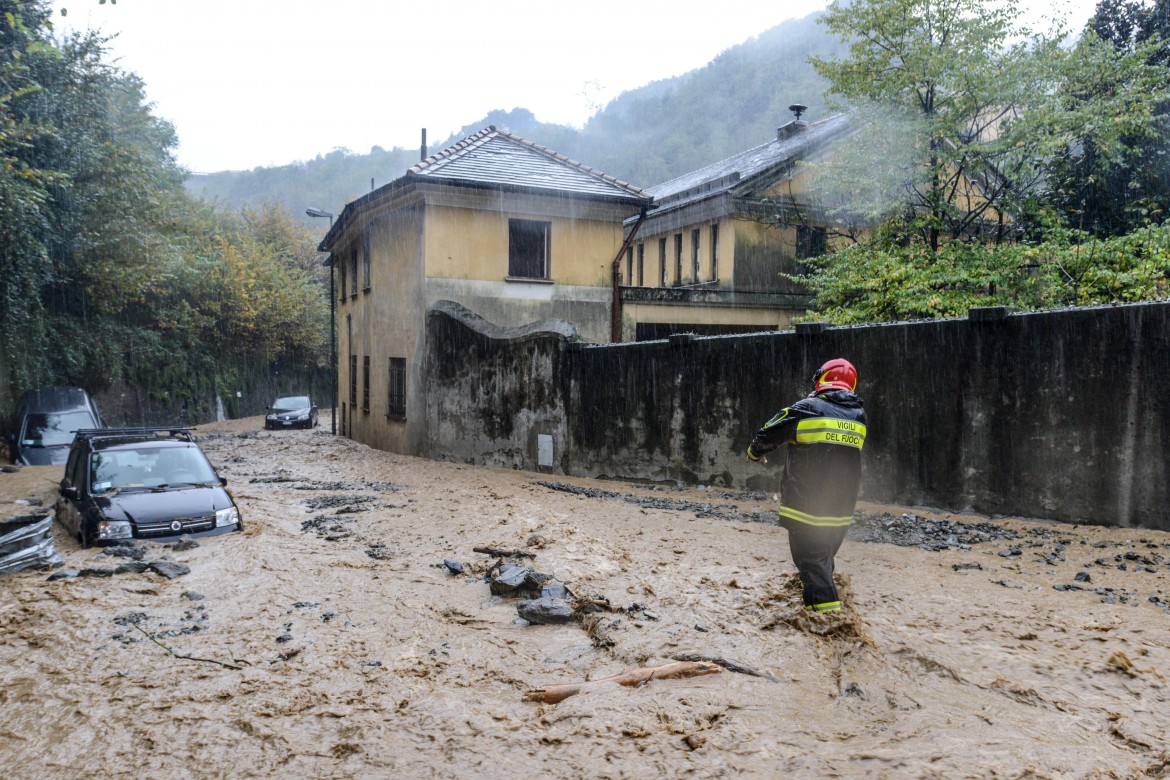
(1058, 414)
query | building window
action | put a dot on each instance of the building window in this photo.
(353, 270)
(366, 261)
(396, 400)
(365, 383)
(353, 381)
(678, 258)
(341, 430)
(662, 262)
(528, 248)
(715, 251)
(341, 264)
(810, 241)
(696, 246)
(630, 266)
(641, 265)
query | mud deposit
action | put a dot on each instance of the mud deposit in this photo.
(349, 632)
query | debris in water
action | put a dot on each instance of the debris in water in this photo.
(630, 679)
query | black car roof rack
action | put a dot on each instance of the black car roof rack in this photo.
(171, 431)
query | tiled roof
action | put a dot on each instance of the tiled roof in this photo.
(496, 157)
(740, 168)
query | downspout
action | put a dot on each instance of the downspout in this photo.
(615, 331)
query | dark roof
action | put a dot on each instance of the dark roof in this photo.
(496, 157)
(737, 171)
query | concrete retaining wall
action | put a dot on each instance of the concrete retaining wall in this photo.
(1062, 415)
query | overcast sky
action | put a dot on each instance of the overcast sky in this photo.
(267, 82)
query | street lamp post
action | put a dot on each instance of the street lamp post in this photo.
(315, 212)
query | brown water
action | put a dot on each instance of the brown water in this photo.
(344, 648)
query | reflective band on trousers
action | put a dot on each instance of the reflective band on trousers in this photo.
(828, 606)
(804, 517)
(830, 430)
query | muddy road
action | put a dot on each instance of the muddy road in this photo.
(330, 639)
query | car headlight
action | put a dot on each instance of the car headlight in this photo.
(229, 516)
(114, 529)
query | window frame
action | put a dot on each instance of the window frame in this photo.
(811, 241)
(678, 255)
(366, 384)
(662, 261)
(353, 271)
(365, 250)
(517, 263)
(714, 241)
(696, 253)
(353, 381)
(641, 264)
(396, 389)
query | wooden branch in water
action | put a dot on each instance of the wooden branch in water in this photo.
(503, 553)
(729, 665)
(180, 655)
(631, 678)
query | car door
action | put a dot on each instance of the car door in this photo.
(68, 513)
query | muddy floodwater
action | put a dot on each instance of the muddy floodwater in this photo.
(350, 631)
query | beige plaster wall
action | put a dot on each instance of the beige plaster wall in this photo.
(466, 243)
(387, 321)
(766, 319)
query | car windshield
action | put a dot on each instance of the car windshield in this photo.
(54, 428)
(150, 467)
(291, 403)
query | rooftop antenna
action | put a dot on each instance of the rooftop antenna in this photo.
(798, 109)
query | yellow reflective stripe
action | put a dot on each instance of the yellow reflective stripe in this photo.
(802, 517)
(828, 606)
(829, 430)
(779, 417)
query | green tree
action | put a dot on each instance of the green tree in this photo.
(1114, 198)
(885, 281)
(111, 275)
(969, 112)
(24, 193)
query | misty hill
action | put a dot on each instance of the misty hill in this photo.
(644, 136)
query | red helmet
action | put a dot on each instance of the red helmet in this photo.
(837, 374)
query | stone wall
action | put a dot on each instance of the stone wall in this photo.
(1061, 415)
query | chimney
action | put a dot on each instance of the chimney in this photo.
(790, 129)
(423, 149)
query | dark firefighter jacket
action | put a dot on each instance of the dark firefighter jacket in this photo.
(822, 469)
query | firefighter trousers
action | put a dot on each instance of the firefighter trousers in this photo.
(813, 550)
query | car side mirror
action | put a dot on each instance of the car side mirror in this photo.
(69, 492)
(223, 481)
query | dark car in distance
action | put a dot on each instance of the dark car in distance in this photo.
(294, 411)
(46, 421)
(142, 483)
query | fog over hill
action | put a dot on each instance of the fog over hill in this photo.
(644, 136)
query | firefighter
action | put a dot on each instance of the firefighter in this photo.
(825, 433)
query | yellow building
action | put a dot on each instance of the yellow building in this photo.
(511, 230)
(708, 256)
